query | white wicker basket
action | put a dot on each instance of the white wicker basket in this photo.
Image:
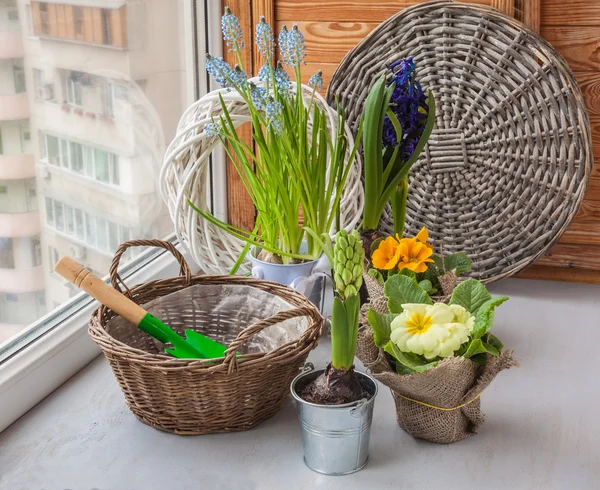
(185, 175)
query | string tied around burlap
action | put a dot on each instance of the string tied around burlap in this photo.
(445, 409)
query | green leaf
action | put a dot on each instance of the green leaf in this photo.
(495, 342)
(408, 273)
(412, 362)
(381, 325)
(478, 347)
(427, 286)
(375, 274)
(401, 289)
(460, 262)
(474, 348)
(375, 244)
(484, 319)
(471, 295)
(339, 334)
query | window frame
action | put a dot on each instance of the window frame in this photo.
(57, 346)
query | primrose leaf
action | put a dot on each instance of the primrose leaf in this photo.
(478, 347)
(459, 262)
(495, 342)
(401, 289)
(484, 319)
(471, 295)
(375, 244)
(375, 274)
(381, 325)
(427, 286)
(412, 362)
(407, 272)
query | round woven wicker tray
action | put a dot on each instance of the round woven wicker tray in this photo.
(507, 165)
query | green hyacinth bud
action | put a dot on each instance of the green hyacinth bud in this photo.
(347, 276)
(343, 241)
(349, 259)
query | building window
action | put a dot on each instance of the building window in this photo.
(78, 20)
(19, 77)
(95, 231)
(44, 17)
(74, 88)
(13, 298)
(36, 252)
(106, 27)
(53, 258)
(3, 189)
(83, 159)
(13, 15)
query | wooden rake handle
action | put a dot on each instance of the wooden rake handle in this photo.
(77, 274)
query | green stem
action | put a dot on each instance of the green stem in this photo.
(399, 199)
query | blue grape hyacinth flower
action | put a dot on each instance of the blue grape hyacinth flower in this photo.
(264, 38)
(409, 105)
(232, 31)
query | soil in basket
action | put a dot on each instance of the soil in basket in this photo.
(334, 387)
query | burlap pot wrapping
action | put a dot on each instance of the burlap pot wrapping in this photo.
(453, 386)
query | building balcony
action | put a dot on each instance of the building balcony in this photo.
(20, 224)
(15, 167)
(11, 45)
(78, 124)
(14, 107)
(16, 281)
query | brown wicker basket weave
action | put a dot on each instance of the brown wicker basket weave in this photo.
(199, 396)
(507, 165)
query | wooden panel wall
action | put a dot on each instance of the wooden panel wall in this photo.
(331, 28)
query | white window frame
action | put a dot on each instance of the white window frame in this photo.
(56, 347)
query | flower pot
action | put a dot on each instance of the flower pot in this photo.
(288, 274)
(335, 437)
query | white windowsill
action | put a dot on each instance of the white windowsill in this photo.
(539, 431)
(36, 370)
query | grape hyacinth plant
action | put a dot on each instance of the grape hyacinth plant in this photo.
(397, 122)
(299, 169)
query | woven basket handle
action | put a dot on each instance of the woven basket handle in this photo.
(244, 335)
(115, 279)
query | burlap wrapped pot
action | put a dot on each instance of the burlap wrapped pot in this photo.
(441, 404)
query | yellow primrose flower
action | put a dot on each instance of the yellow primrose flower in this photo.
(461, 315)
(414, 254)
(429, 330)
(423, 237)
(386, 256)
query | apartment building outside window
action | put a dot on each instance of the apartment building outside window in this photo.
(83, 159)
(43, 9)
(106, 27)
(78, 19)
(91, 23)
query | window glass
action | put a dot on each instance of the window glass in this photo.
(89, 179)
(76, 157)
(101, 163)
(52, 150)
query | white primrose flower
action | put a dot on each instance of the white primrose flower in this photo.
(436, 330)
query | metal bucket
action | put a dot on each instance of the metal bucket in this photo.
(335, 437)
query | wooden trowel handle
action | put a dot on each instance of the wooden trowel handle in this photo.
(74, 272)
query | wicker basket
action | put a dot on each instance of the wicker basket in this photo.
(199, 396)
(507, 165)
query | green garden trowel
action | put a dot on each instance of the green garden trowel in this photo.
(193, 346)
